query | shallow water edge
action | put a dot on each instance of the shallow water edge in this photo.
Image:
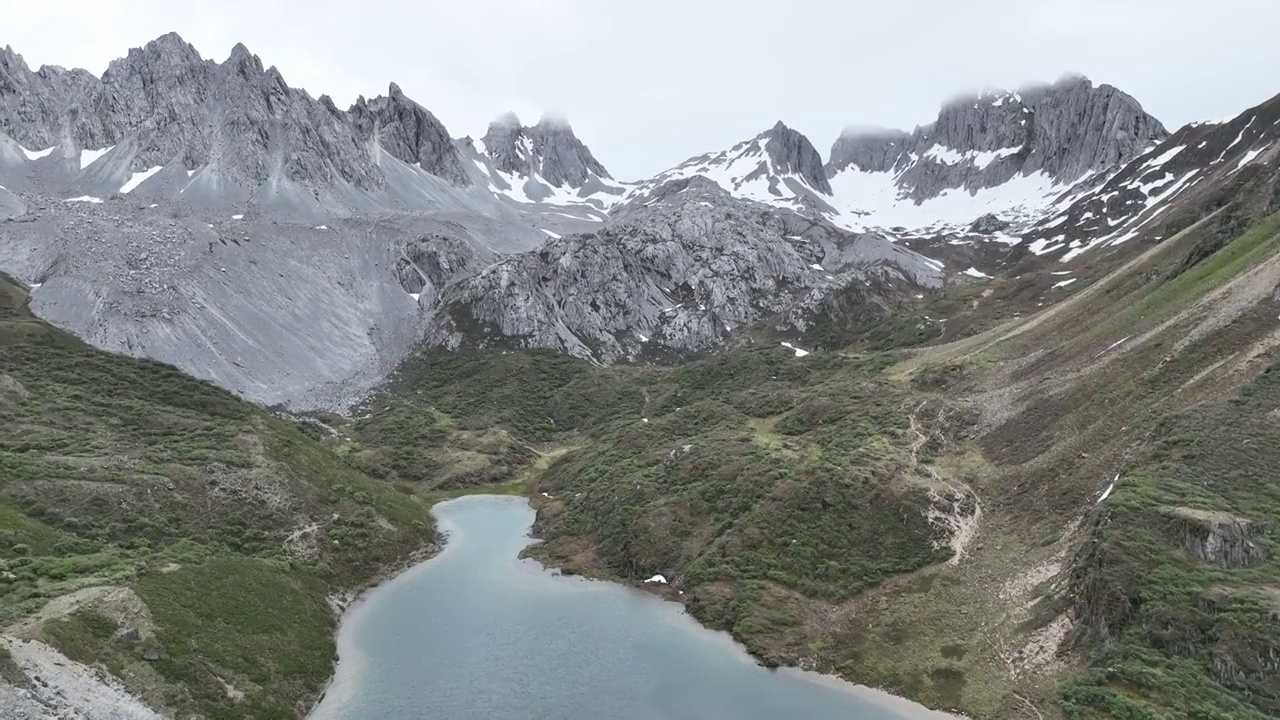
(352, 670)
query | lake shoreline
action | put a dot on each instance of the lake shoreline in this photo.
(878, 696)
(344, 602)
(665, 596)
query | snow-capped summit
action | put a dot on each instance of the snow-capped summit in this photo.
(1011, 154)
(778, 167)
(545, 163)
(1065, 131)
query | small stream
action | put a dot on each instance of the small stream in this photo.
(476, 633)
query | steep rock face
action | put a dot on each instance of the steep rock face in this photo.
(1219, 538)
(237, 129)
(793, 154)
(548, 150)
(680, 274)
(565, 160)
(35, 107)
(1065, 130)
(158, 92)
(868, 149)
(243, 121)
(502, 144)
(411, 133)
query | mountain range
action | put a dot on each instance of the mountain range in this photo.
(220, 169)
(981, 412)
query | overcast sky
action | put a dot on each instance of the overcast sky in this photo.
(647, 84)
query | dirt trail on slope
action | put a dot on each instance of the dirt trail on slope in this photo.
(950, 496)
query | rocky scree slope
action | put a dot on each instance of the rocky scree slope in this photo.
(279, 313)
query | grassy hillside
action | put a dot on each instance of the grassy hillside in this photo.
(199, 536)
(1066, 512)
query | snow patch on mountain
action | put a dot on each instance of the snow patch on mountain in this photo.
(87, 157)
(36, 154)
(138, 178)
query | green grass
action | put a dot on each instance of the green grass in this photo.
(261, 624)
(1255, 246)
(745, 467)
(1178, 636)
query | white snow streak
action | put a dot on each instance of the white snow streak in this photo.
(138, 178)
(944, 155)
(1064, 283)
(551, 234)
(982, 159)
(1248, 158)
(35, 154)
(88, 157)
(975, 272)
(1107, 493)
(1164, 157)
(798, 351)
(85, 198)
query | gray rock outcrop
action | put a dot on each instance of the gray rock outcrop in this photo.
(1220, 538)
(988, 224)
(411, 133)
(792, 153)
(868, 149)
(679, 271)
(1065, 130)
(549, 150)
(35, 106)
(237, 129)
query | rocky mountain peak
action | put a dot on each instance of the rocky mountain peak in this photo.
(410, 133)
(503, 146)
(507, 119)
(11, 60)
(791, 153)
(549, 149)
(869, 149)
(240, 53)
(167, 53)
(553, 122)
(1063, 131)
